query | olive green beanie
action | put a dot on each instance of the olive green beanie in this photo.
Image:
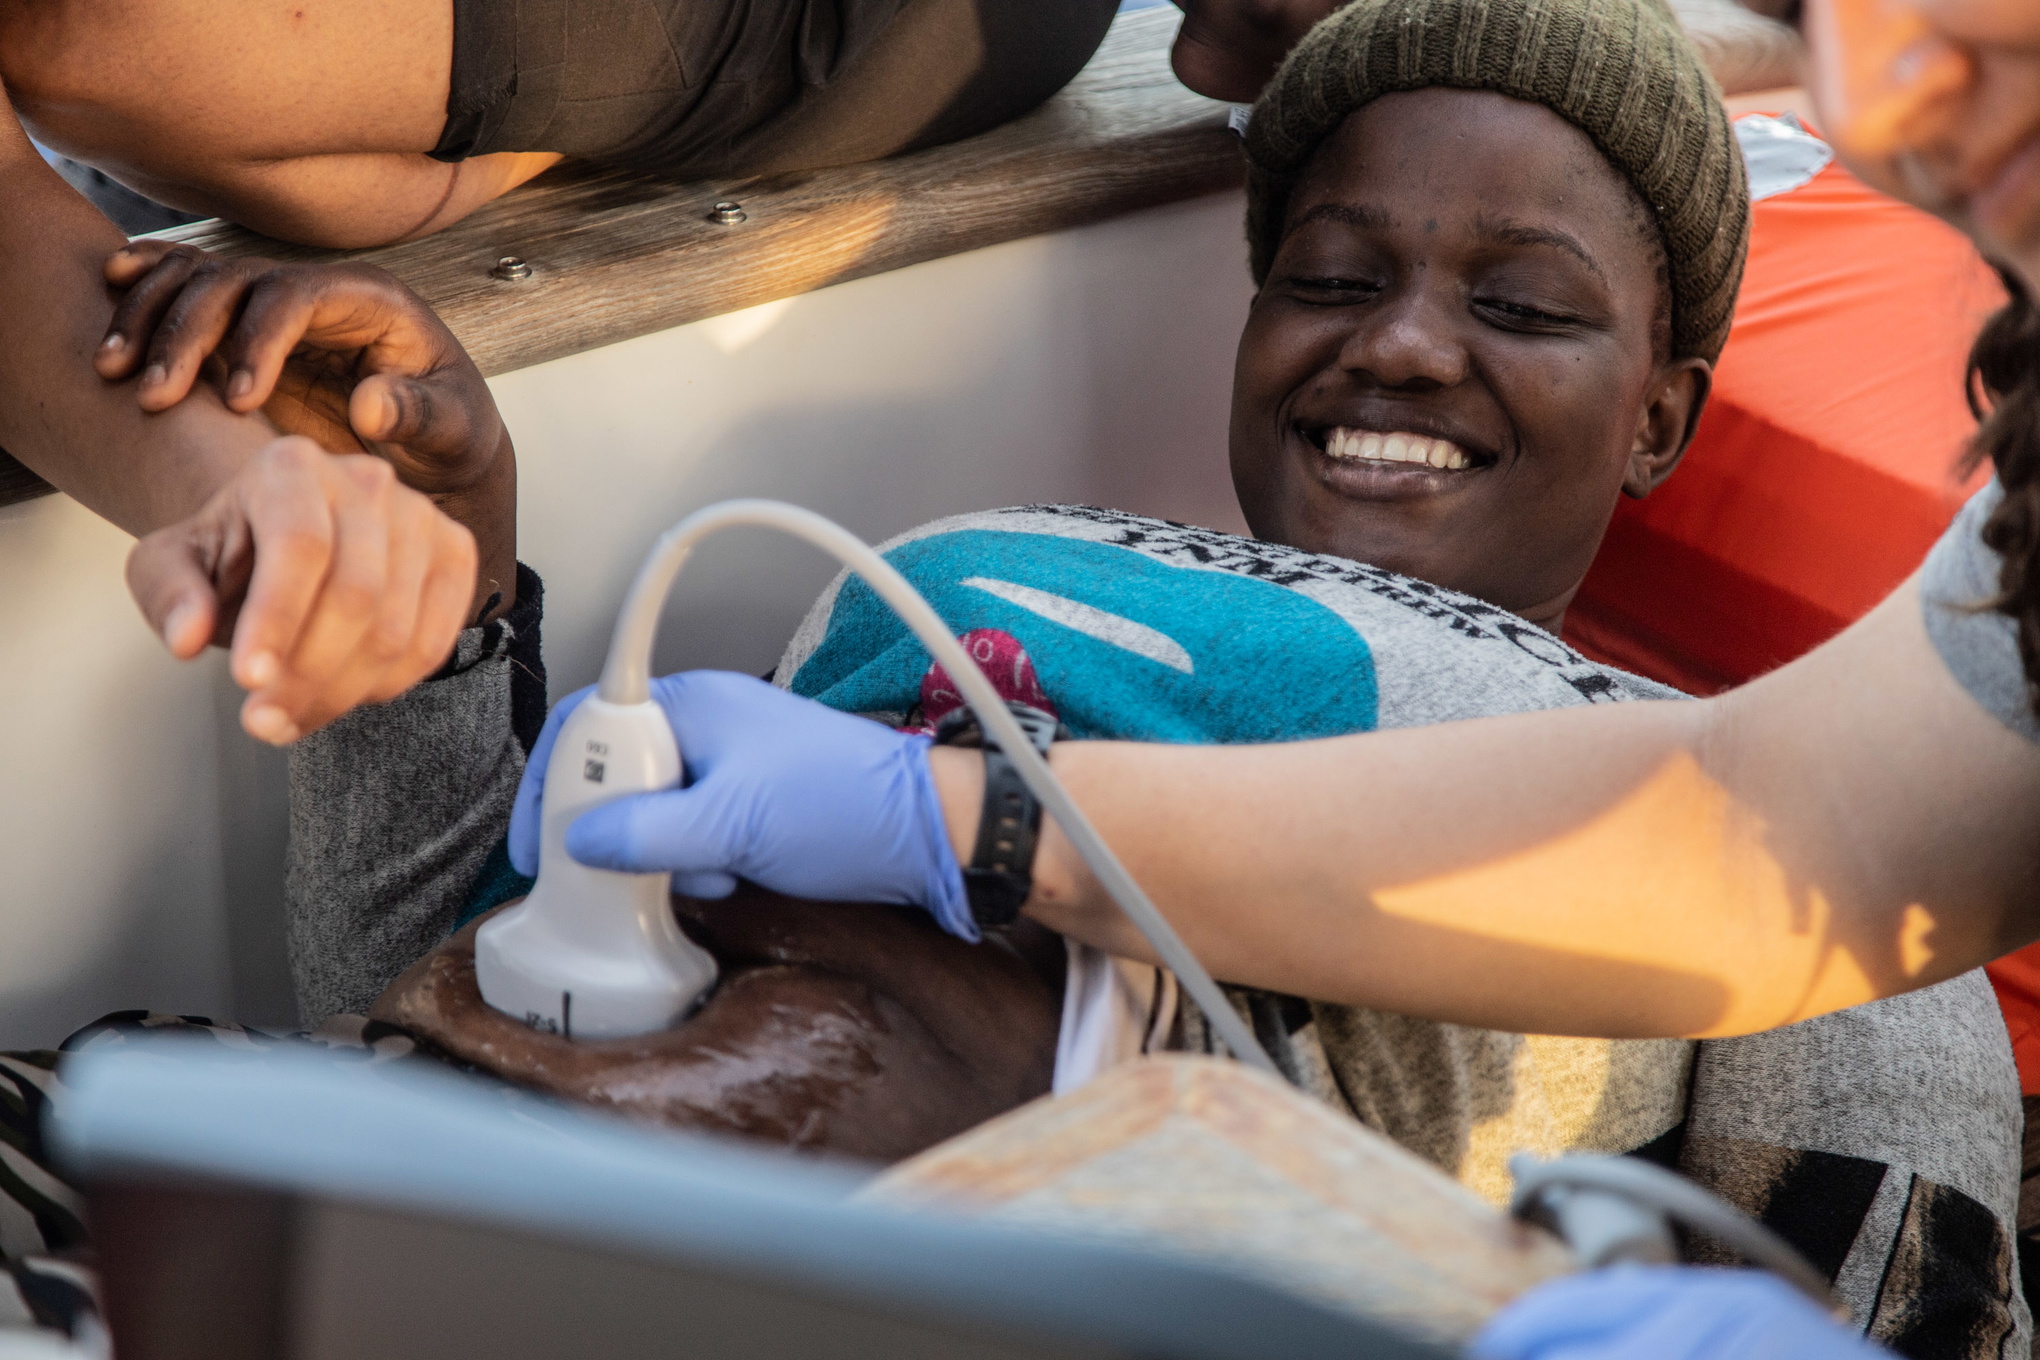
(1619, 70)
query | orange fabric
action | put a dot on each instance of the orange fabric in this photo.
(1823, 470)
(2017, 980)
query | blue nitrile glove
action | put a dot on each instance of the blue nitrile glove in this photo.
(1668, 1313)
(780, 790)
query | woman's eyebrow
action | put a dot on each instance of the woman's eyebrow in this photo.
(1366, 216)
(1509, 232)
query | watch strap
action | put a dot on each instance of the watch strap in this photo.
(1000, 875)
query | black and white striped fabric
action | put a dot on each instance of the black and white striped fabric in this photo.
(49, 1301)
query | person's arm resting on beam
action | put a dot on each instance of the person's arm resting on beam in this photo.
(345, 575)
(307, 123)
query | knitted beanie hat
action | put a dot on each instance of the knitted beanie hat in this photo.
(1619, 70)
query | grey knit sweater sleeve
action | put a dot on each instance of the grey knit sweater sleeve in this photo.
(395, 810)
(1979, 645)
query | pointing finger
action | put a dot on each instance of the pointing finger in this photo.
(293, 533)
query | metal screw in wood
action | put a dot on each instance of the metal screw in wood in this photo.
(728, 213)
(511, 269)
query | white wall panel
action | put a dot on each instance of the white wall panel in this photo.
(1093, 365)
(111, 888)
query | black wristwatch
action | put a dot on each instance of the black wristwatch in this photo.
(1001, 870)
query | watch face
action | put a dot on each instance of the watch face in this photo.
(1043, 727)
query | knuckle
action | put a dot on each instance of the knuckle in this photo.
(301, 545)
(294, 454)
(412, 398)
(212, 276)
(171, 326)
(362, 273)
(293, 281)
(388, 647)
(350, 596)
(369, 474)
(395, 638)
(360, 574)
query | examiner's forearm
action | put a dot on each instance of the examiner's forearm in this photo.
(57, 415)
(1848, 827)
(1488, 889)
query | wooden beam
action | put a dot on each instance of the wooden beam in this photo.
(615, 255)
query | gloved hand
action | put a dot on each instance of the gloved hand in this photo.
(1667, 1313)
(779, 790)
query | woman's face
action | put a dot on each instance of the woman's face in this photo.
(1456, 363)
(1938, 102)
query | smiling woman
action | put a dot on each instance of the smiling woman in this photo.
(1492, 290)
(1419, 365)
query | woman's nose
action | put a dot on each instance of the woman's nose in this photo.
(1406, 340)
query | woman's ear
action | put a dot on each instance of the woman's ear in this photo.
(1671, 413)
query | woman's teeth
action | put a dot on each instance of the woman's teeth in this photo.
(1395, 448)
